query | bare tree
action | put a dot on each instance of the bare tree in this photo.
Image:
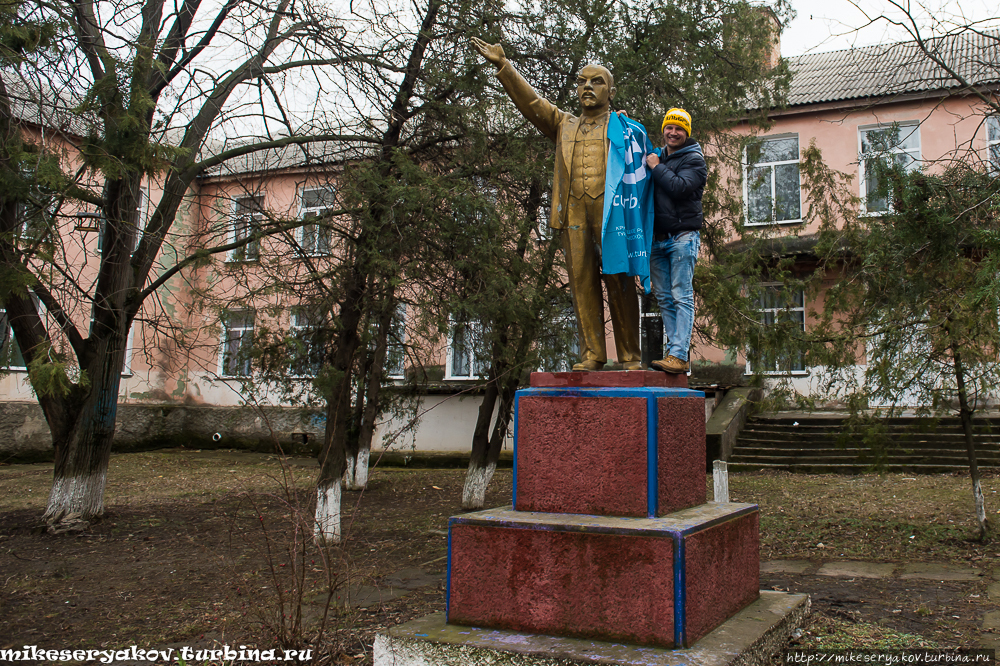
(123, 95)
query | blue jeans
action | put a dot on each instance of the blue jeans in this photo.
(671, 271)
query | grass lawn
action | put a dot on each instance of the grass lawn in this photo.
(207, 547)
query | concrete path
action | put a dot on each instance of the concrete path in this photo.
(916, 571)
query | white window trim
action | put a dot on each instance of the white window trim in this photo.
(223, 339)
(399, 340)
(862, 181)
(746, 183)
(566, 364)
(238, 255)
(473, 365)
(127, 365)
(782, 373)
(295, 325)
(994, 122)
(10, 340)
(303, 212)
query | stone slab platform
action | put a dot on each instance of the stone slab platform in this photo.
(633, 451)
(600, 379)
(651, 581)
(749, 638)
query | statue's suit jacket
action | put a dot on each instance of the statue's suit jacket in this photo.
(559, 126)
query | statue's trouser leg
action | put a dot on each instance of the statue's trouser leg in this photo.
(623, 302)
(581, 241)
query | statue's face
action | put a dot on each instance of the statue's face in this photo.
(595, 86)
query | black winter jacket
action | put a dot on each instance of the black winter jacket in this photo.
(679, 181)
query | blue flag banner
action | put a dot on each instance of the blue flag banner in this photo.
(627, 227)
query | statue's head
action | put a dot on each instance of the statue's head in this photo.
(595, 86)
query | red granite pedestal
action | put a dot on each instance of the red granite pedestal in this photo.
(609, 537)
(652, 581)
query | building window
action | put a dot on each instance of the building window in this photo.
(142, 211)
(772, 183)
(652, 340)
(543, 232)
(781, 307)
(561, 347)
(314, 238)
(307, 353)
(465, 356)
(993, 141)
(237, 343)
(248, 217)
(881, 148)
(10, 352)
(395, 358)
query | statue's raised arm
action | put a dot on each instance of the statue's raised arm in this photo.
(543, 114)
(492, 52)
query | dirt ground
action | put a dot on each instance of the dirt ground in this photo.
(209, 548)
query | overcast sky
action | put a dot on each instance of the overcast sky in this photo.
(829, 25)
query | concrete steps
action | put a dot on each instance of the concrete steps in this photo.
(816, 444)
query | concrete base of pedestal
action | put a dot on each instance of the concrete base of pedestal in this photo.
(749, 638)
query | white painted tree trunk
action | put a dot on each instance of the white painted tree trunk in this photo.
(476, 481)
(74, 500)
(356, 471)
(349, 478)
(327, 527)
(361, 469)
(977, 493)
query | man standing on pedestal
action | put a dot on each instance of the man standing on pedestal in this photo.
(679, 175)
(578, 204)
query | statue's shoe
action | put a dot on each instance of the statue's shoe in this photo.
(587, 366)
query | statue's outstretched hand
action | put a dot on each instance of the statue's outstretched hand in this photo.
(492, 52)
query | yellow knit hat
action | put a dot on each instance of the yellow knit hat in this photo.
(678, 117)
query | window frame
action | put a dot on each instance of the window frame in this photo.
(295, 325)
(224, 340)
(474, 367)
(649, 308)
(569, 356)
(397, 342)
(318, 211)
(993, 142)
(896, 150)
(6, 343)
(746, 180)
(249, 220)
(761, 311)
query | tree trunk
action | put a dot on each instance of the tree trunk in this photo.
(481, 468)
(373, 397)
(83, 447)
(82, 434)
(332, 458)
(965, 414)
(352, 445)
(503, 381)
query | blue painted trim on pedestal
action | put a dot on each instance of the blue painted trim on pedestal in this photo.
(648, 393)
(694, 529)
(680, 591)
(447, 574)
(517, 403)
(652, 457)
